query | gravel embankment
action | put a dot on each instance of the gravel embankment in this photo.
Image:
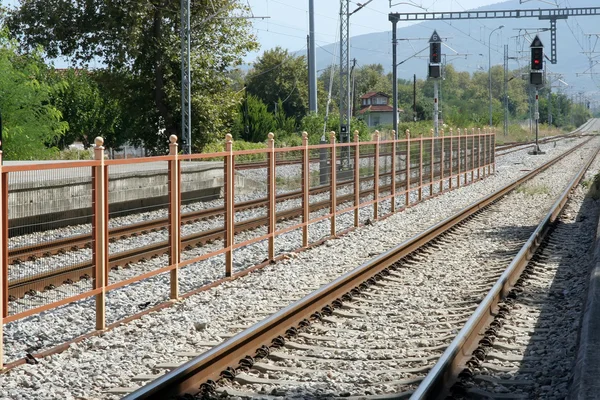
(110, 360)
(534, 350)
(419, 309)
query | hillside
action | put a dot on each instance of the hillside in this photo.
(469, 39)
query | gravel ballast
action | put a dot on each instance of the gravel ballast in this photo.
(88, 368)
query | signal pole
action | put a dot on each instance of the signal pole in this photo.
(536, 78)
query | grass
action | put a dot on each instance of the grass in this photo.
(594, 186)
(533, 190)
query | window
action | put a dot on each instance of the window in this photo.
(375, 120)
(380, 100)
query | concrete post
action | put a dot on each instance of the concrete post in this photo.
(393, 178)
(100, 254)
(376, 178)
(174, 215)
(305, 188)
(408, 172)
(356, 180)
(333, 183)
(323, 170)
(229, 206)
(442, 161)
(458, 158)
(272, 193)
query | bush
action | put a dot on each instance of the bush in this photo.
(238, 145)
(72, 154)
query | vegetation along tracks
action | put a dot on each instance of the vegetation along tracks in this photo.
(435, 299)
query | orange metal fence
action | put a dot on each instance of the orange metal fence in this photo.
(337, 185)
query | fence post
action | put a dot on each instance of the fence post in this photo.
(393, 181)
(229, 206)
(420, 167)
(333, 178)
(376, 178)
(478, 157)
(174, 215)
(305, 188)
(408, 171)
(100, 252)
(272, 191)
(356, 180)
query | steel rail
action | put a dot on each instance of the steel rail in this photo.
(187, 378)
(444, 373)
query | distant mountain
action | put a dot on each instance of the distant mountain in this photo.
(471, 37)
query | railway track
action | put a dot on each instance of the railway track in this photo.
(529, 352)
(381, 327)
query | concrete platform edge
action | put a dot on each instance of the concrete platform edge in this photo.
(586, 370)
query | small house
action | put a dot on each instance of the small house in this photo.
(375, 109)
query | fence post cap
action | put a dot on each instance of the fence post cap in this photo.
(173, 139)
(270, 135)
(228, 137)
(304, 135)
(99, 141)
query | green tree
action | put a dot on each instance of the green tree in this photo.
(138, 42)
(31, 124)
(254, 121)
(278, 75)
(87, 110)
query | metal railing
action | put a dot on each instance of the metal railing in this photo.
(394, 175)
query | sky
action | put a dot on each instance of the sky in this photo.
(288, 23)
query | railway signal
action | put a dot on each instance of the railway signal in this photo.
(536, 78)
(435, 72)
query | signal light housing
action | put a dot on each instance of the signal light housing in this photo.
(435, 50)
(537, 58)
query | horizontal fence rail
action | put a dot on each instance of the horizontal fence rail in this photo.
(339, 186)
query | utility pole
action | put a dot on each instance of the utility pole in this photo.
(186, 87)
(490, 67)
(395, 78)
(345, 100)
(312, 59)
(344, 72)
(186, 74)
(505, 90)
